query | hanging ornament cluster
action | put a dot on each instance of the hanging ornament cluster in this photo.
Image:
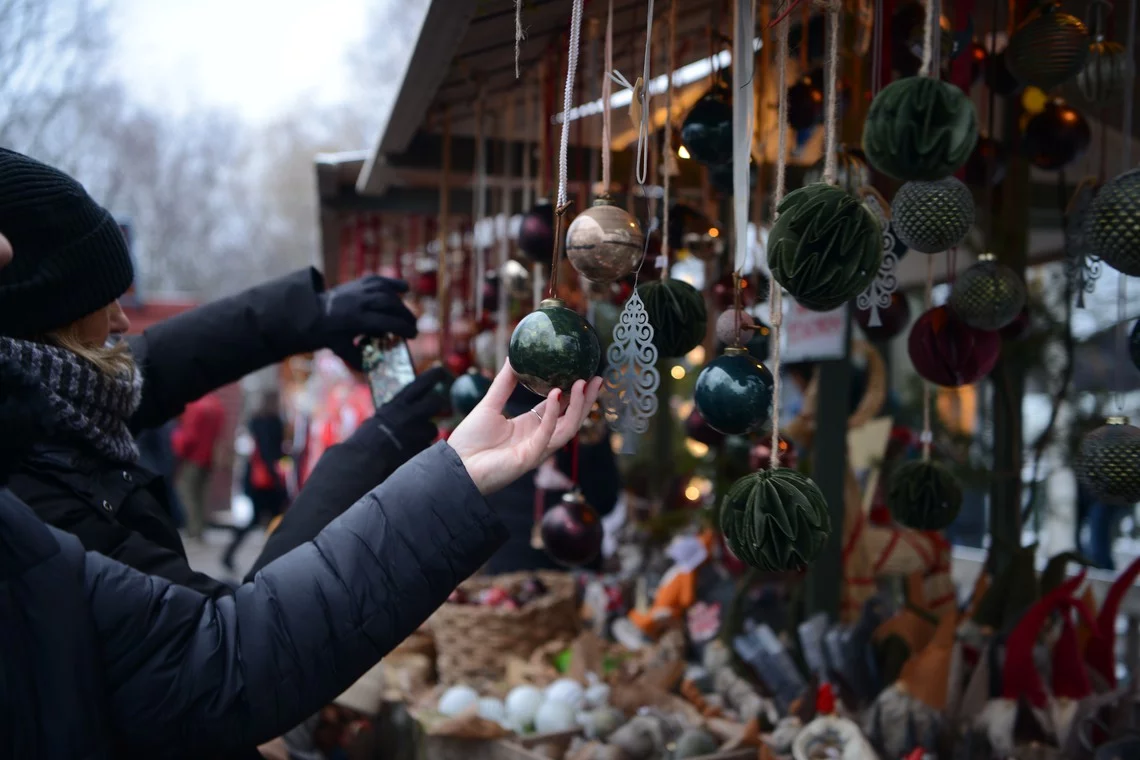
(734, 392)
(775, 520)
(604, 243)
(924, 495)
(1056, 136)
(989, 295)
(1108, 463)
(1049, 47)
(919, 128)
(553, 347)
(1114, 224)
(706, 132)
(946, 351)
(677, 314)
(933, 216)
(572, 531)
(467, 391)
(825, 247)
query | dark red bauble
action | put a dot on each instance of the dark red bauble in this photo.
(701, 431)
(948, 352)
(536, 233)
(987, 164)
(1056, 137)
(427, 284)
(491, 291)
(1018, 328)
(572, 531)
(458, 362)
(724, 296)
(892, 320)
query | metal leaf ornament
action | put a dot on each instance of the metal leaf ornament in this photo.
(1081, 265)
(920, 129)
(825, 248)
(878, 295)
(631, 377)
(775, 520)
(924, 495)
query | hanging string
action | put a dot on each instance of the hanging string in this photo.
(520, 35)
(564, 145)
(742, 64)
(640, 102)
(776, 293)
(509, 126)
(877, 48)
(668, 157)
(932, 40)
(1130, 88)
(607, 111)
(927, 434)
(480, 205)
(831, 75)
(931, 48)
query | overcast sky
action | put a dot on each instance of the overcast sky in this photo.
(256, 56)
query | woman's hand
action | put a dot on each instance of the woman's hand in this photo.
(497, 451)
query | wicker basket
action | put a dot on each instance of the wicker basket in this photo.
(473, 642)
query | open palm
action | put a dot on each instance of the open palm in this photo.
(497, 450)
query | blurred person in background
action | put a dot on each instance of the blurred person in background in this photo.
(156, 453)
(194, 441)
(263, 481)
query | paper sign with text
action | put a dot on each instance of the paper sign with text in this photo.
(813, 335)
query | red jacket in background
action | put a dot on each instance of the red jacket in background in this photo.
(197, 433)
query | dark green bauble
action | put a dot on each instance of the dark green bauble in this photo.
(1108, 463)
(825, 247)
(552, 347)
(734, 392)
(677, 313)
(920, 129)
(467, 391)
(1048, 48)
(707, 129)
(924, 495)
(775, 520)
(1114, 223)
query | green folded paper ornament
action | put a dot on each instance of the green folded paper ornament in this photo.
(924, 495)
(775, 520)
(920, 128)
(676, 310)
(825, 247)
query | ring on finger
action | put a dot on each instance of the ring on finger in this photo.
(536, 413)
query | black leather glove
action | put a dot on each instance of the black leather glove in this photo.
(407, 418)
(370, 306)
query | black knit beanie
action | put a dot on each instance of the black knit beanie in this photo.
(70, 257)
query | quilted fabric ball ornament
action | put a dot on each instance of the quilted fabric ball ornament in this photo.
(728, 323)
(932, 217)
(467, 391)
(734, 392)
(851, 171)
(707, 130)
(1108, 463)
(892, 320)
(989, 295)
(536, 233)
(775, 520)
(825, 248)
(1049, 47)
(946, 351)
(1114, 223)
(1103, 78)
(924, 495)
(552, 347)
(677, 312)
(1056, 137)
(604, 243)
(919, 128)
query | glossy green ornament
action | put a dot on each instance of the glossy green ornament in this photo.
(775, 520)
(467, 391)
(924, 495)
(825, 247)
(676, 310)
(920, 128)
(734, 392)
(552, 347)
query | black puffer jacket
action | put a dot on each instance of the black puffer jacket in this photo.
(123, 512)
(102, 661)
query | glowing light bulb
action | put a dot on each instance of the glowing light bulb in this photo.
(692, 493)
(714, 232)
(683, 152)
(696, 448)
(696, 356)
(678, 372)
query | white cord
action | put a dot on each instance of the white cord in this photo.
(642, 167)
(568, 97)
(832, 113)
(607, 139)
(742, 114)
(520, 35)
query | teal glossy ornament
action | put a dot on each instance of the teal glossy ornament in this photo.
(775, 520)
(924, 495)
(467, 391)
(553, 347)
(677, 312)
(707, 130)
(920, 128)
(734, 392)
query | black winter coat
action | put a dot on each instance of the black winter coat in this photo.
(123, 512)
(102, 661)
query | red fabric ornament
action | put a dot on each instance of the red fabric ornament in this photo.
(427, 284)
(947, 352)
(893, 319)
(1070, 677)
(458, 362)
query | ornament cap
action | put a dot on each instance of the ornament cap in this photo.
(987, 257)
(1117, 420)
(552, 303)
(735, 351)
(574, 496)
(603, 200)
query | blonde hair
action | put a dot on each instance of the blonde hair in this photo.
(115, 360)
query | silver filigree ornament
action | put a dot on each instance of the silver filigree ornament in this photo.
(878, 294)
(629, 395)
(1082, 265)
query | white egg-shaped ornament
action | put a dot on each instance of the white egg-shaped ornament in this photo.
(567, 691)
(523, 703)
(597, 695)
(458, 700)
(493, 710)
(554, 717)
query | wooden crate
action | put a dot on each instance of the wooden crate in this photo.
(523, 748)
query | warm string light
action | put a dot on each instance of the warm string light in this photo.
(776, 293)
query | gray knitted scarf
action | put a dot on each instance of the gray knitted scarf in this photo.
(88, 404)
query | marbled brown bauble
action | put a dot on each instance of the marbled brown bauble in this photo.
(604, 243)
(726, 327)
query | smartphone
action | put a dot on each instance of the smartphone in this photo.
(389, 367)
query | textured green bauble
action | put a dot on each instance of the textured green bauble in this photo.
(989, 295)
(1114, 223)
(676, 310)
(552, 347)
(1108, 463)
(734, 392)
(920, 128)
(924, 495)
(825, 248)
(775, 520)
(467, 391)
(1049, 47)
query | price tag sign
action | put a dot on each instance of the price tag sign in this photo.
(814, 335)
